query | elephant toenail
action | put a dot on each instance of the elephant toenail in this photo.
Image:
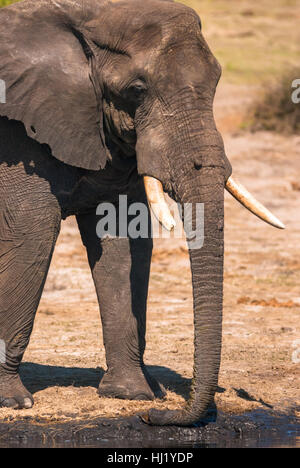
(27, 403)
(10, 403)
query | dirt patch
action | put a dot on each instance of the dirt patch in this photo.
(270, 303)
(296, 186)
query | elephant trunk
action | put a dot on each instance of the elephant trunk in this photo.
(200, 174)
(205, 185)
(207, 280)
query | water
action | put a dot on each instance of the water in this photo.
(268, 440)
(256, 429)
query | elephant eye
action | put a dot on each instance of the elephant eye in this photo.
(136, 90)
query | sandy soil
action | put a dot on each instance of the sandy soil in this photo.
(66, 359)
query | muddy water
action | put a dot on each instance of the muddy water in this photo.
(267, 441)
(256, 430)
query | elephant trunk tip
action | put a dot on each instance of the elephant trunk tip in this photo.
(181, 418)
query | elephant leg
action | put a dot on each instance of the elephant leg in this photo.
(120, 269)
(29, 226)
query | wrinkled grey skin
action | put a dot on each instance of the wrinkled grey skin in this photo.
(98, 95)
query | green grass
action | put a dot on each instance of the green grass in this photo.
(253, 41)
(6, 2)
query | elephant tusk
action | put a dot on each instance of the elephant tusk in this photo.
(239, 192)
(158, 204)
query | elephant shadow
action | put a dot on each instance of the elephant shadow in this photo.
(37, 377)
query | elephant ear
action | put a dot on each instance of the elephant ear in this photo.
(46, 69)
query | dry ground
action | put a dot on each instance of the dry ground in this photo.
(65, 359)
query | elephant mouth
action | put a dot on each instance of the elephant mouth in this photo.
(120, 128)
(157, 202)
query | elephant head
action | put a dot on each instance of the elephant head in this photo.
(87, 76)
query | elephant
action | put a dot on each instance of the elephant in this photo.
(101, 99)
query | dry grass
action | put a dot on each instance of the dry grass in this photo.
(274, 109)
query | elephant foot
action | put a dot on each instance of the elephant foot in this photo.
(13, 394)
(134, 385)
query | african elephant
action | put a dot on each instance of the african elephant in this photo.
(102, 99)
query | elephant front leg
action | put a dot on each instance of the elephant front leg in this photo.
(25, 251)
(120, 268)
